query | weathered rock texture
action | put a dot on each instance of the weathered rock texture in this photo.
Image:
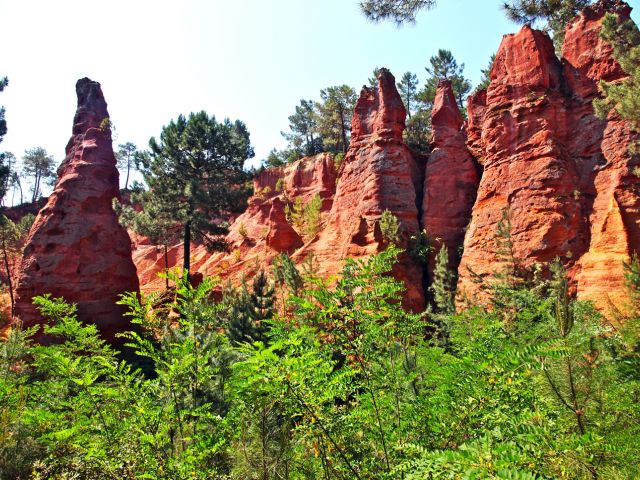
(260, 233)
(378, 173)
(564, 176)
(451, 179)
(76, 248)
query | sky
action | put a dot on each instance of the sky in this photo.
(251, 60)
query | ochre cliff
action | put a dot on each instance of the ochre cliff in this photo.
(378, 173)
(562, 176)
(531, 156)
(76, 248)
(451, 178)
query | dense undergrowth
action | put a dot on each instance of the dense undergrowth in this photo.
(342, 384)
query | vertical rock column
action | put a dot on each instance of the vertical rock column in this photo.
(451, 180)
(76, 248)
(518, 134)
(377, 174)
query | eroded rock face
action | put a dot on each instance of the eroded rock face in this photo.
(260, 233)
(377, 174)
(563, 176)
(451, 180)
(76, 248)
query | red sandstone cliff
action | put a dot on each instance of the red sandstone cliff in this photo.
(451, 179)
(378, 173)
(76, 248)
(563, 175)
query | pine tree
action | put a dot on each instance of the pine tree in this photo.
(555, 13)
(622, 96)
(125, 157)
(248, 312)
(398, 11)
(444, 66)
(196, 170)
(443, 287)
(37, 163)
(304, 138)
(486, 74)
(4, 81)
(334, 117)
(408, 89)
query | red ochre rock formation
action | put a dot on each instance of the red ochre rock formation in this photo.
(563, 176)
(76, 248)
(451, 179)
(260, 233)
(378, 173)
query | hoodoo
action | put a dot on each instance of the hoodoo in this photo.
(451, 179)
(76, 248)
(562, 176)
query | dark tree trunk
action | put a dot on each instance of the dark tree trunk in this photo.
(187, 249)
(166, 267)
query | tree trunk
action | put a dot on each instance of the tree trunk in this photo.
(187, 249)
(9, 281)
(126, 182)
(166, 267)
(343, 130)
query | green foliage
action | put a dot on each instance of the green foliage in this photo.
(349, 385)
(248, 313)
(4, 81)
(334, 112)
(486, 74)
(389, 227)
(304, 138)
(125, 157)
(12, 238)
(398, 11)
(408, 89)
(39, 165)
(555, 13)
(622, 96)
(196, 173)
(305, 217)
(443, 285)
(421, 246)
(444, 66)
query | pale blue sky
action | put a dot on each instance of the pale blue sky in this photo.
(251, 60)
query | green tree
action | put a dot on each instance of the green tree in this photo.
(389, 227)
(12, 237)
(4, 81)
(196, 171)
(555, 14)
(249, 312)
(7, 163)
(373, 79)
(334, 117)
(485, 79)
(126, 159)
(154, 221)
(622, 96)
(408, 88)
(444, 66)
(38, 165)
(443, 286)
(399, 11)
(304, 137)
